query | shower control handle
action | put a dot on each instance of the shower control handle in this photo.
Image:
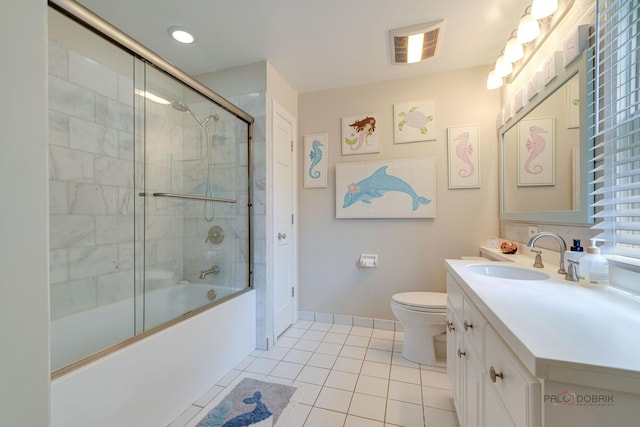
(282, 236)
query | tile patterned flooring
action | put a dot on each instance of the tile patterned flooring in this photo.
(349, 377)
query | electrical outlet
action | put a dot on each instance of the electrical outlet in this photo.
(533, 230)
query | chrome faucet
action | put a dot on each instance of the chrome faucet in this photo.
(561, 242)
(213, 270)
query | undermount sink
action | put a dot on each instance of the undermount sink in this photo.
(507, 272)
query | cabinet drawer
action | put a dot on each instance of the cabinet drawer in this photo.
(473, 325)
(518, 390)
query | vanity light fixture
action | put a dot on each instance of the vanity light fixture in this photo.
(181, 34)
(527, 38)
(493, 81)
(528, 28)
(513, 50)
(503, 67)
(541, 9)
(415, 43)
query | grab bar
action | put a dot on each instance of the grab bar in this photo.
(190, 197)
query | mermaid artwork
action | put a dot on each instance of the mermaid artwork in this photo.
(363, 128)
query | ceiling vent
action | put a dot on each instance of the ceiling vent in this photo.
(415, 43)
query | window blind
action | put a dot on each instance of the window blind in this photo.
(616, 150)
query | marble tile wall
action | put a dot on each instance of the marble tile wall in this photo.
(91, 182)
(96, 231)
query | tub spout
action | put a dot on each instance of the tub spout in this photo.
(213, 270)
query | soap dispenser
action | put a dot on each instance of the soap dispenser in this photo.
(575, 253)
(594, 268)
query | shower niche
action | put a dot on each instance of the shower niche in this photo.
(142, 167)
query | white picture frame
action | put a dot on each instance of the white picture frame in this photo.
(536, 152)
(402, 188)
(316, 149)
(414, 121)
(360, 134)
(464, 156)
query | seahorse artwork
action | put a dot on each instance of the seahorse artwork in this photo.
(259, 413)
(315, 155)
(364, 128)
(535, 145)
(463, 150)
(376, 185)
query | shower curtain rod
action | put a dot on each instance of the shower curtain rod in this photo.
(92, 21)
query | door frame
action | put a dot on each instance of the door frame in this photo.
(276, 110)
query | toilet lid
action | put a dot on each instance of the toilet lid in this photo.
(433, 301)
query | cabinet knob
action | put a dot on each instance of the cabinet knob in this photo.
(450, 326)
(467, 326)
(493, 375)
(461, 353)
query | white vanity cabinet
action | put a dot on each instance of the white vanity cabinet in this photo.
(516, 388)
(540, 352)
(490, 386)
(465, 348)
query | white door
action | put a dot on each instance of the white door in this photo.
(283, 239)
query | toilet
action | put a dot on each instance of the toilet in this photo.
(423, 316)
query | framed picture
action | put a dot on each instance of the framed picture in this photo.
(414, 121)
(464, 157)
(360, 134)
(315, 160)
(404, 188)
(536, 161)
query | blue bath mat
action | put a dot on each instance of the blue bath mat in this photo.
(251, 403)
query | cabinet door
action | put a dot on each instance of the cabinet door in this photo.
(495, 414)
(454, 363)
(473, 389)
(514, 385)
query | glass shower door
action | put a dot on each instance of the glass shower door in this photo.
(195, 198)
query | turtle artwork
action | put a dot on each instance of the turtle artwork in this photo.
(415, 119)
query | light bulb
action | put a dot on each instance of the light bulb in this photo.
(513, 50)
(493, 81)
(503, 67)
(528, 29)
(414, 50)
(181, 34)
(541, 9)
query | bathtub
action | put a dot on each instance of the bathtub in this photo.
(76, 336)
(153, 379)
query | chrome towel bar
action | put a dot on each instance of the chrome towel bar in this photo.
(190, 197)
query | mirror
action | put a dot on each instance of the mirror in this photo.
(544, 153)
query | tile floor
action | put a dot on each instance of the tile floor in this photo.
(348, 376)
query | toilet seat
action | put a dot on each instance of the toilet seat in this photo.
(429, 302)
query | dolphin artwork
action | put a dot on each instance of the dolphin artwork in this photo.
(376, 185)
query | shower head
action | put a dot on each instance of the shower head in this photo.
(180, 106)
(184, 108)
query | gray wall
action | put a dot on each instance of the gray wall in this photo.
(411, 252)
(24, 294)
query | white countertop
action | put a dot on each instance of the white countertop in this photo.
(560, 330)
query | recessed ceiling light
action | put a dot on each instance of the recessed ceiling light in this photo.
(181, 34)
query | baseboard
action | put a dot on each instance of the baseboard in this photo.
(342, 319)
